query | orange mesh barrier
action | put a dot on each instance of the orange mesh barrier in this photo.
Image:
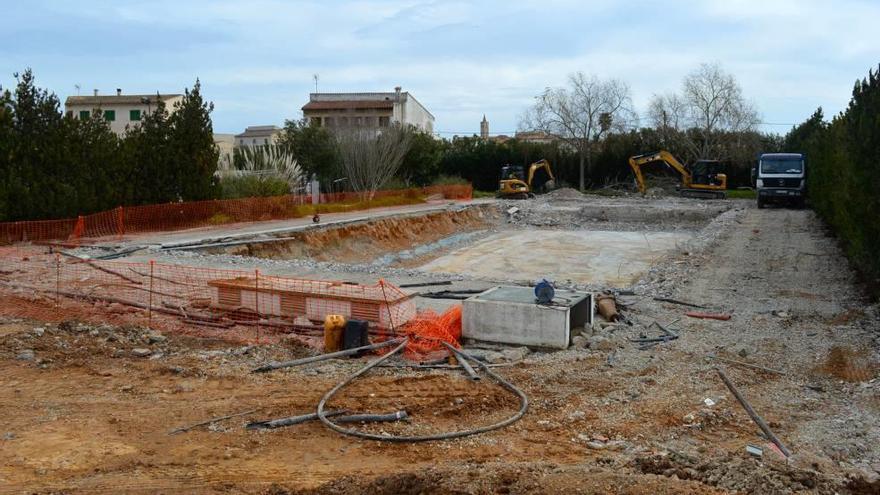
(235, 305)
(428, 331)
(193, 214)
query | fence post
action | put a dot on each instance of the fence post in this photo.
(257, 304)
(57, 279)
(120, 222)
(150, 306)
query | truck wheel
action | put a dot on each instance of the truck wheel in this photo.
(760, 203)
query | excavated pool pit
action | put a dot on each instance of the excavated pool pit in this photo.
(604, 244)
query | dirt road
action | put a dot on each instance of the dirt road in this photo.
(83, 414)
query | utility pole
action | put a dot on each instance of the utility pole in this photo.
(315, 77)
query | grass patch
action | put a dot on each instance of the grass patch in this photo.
(344, 206)
(742, 194)
(219, 219)
(449, 180)
(483, 194)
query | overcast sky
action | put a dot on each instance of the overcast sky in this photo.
(460, 59)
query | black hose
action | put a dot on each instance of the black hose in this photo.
(342, 417)
(323, 415)
(322, 357)
(463, 362)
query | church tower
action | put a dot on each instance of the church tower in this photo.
(484, 128)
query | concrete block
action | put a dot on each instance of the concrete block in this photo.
(510, 315)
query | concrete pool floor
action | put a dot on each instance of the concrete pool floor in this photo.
(609, 258)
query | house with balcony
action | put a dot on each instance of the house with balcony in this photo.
(367, 110)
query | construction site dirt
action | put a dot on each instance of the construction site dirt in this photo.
(90, 397)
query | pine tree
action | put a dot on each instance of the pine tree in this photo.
(151, 173)
(192, 144)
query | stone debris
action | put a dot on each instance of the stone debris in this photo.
(25, 355)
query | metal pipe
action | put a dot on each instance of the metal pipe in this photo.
(755, 417)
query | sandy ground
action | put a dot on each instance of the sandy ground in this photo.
(615, 259)
(84, 415)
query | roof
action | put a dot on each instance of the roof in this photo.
(533, 135)
(349, 104)
(259, 131)
(99, 100)
(783, 156)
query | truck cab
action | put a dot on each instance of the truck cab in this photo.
(781, 178)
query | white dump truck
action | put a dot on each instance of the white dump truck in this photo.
(781, 178)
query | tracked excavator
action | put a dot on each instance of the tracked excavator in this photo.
(702, 179)
(514, 184)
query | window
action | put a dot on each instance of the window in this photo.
(84, 114)
(109, 115)
(265, 141)
(384, 121)
(134, 115)
(254, 141)
(781, 166)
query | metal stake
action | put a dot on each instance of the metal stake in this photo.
(150, 306)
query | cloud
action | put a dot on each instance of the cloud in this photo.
(460, 58)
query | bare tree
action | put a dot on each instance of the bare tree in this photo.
(710, 111)
(371, 158)
(582, 114)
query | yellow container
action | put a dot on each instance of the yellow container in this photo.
(333, 328)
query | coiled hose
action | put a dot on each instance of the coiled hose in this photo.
(324, 415)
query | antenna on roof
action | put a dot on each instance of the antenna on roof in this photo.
(315, 77)
(77, 86)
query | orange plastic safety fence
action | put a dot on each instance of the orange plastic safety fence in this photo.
(428, 330)
(193, 214)
(233, 304)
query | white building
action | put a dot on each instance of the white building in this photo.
(367, 110)
(225, 144)
(119, 110)
(258, 135)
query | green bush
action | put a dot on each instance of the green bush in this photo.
(252, 186)
(449, 180)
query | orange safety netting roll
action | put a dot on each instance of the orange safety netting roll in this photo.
(428, 330)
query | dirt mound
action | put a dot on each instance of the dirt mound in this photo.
(363, 242)
(737, 473)
(564, 193)
(847, 364)
(509, 478)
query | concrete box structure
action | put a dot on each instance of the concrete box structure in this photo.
(510, 315)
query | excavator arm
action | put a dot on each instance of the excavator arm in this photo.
(637, 162)
(542, 163)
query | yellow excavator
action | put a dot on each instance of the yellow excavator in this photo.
(702, 179)
(513, 183)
